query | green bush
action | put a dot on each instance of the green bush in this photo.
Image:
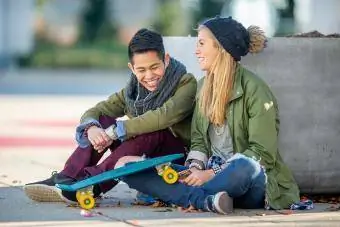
(99, 55)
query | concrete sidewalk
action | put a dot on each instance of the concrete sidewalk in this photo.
(25, 165)
(40, 119)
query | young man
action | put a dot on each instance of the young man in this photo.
(158, 101)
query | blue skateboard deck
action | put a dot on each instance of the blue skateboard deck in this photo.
(120, 172)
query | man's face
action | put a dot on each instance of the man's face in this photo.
(149, 68)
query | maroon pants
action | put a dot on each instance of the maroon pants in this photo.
(84, 161)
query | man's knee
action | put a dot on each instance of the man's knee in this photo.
(106, 121)
(154, 136)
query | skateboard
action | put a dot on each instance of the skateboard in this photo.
(84, 188)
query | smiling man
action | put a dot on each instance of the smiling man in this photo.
(158, 101)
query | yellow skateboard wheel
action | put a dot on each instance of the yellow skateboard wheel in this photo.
(86, 201)
(170, 176)
(79, 194)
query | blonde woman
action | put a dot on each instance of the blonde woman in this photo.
(234, 159)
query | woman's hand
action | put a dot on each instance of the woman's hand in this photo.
(98, 138)
(198, 177)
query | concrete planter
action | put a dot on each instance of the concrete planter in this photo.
(304, 74)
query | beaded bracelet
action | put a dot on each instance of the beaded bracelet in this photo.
(88, 126)
(196, 165)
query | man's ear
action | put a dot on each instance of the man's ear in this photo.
(166, 59)
(131, 67)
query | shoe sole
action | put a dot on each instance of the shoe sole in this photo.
(45, 193)
(224, 203)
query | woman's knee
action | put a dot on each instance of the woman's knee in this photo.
(245, 166)
(239, 175)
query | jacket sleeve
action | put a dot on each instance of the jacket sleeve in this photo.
(198, 149)
(114, 106)
(174, 110)
(263, 126)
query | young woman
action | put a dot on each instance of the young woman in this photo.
(158, 100)
(234, 157)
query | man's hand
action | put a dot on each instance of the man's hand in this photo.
(198, 177)
(98, 138)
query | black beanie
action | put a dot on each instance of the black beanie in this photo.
(232, 35)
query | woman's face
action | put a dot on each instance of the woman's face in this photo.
(206, 50)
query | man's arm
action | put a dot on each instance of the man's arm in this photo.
(113, 107)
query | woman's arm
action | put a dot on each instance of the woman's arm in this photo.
(263, 126)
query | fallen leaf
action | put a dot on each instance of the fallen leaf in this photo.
(159, 204)
(72, 205)
(164, 210)
(333, 208)
(331, 199)
(284, 212)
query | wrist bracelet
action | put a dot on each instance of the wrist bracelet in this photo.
(89, 126)
(196, 165)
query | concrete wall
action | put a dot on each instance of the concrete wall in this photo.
(304, 74)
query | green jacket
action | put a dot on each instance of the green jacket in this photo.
(253, 120)
(175, 114)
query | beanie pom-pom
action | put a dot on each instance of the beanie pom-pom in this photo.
(258, 39)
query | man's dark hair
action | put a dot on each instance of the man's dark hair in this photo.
(145, 40)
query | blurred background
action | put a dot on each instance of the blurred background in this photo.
(59, 57)
(78, 34)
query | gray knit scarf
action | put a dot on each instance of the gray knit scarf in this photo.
(139, 100)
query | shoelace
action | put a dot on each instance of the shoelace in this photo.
(54, 173)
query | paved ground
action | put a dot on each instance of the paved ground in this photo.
(36, 136)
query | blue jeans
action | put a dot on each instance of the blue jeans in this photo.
(243, 179)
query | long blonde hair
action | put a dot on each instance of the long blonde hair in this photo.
(218, 83)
